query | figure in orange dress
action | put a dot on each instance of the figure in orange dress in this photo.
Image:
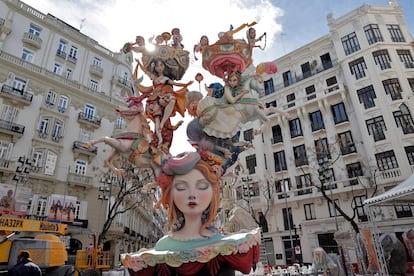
(162, 101)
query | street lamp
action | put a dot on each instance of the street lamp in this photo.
(297, 243)
(23, 168)
(285, 188)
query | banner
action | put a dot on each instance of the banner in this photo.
(62, 208)
(14, 200)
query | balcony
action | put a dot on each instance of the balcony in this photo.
(72, 59)
(5, 26)
(78, 149)
(32, 40)
(12, 129)
(61, 54)
(96, 70)
(80, 180)
(89, 121)
(15, 95)
(121, 82)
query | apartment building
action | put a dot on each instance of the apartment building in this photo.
(58, 89)
(350, 130)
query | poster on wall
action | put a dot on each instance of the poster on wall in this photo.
(14, 200)
(62, 208)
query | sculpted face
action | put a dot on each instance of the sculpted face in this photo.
(233, 81)
(192, 193)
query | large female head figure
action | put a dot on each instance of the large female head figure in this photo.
(177, 168)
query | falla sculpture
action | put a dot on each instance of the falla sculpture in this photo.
(190, 181)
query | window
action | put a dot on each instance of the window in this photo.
(27, 55)
(310, 92)
(287, 78)
(85, 135)
(50, 164)
(68, 74)
(395, 33)
(39, 207)
(61, 51)
(269, 86)
(80, 167)
(19, 84)
(295, 128)
(93, 85)
(339, 113)
(299, 153)
(43, 127)
(50, 98)
(332, 210)
(322, 150)
(9, 113)
(73, 53)
(306, 70)
(376, 127)
(310, 212)
(276, 134)
(280, 161)
(57, 131)
(403, 119)
(411, 83)
(89, 111)
(290, 99)
(248, 135)
(359, 208)
(350, 43)
(251, 189)
(63, 104)
(97, 62)
(331, 81)
(346, 143)
(358, 67)
(251, 163)
(386, 160)
(282, 187)
(326, 61)
(271, 104)
(354, 170)
(392, 87)
(409, 151)
(120, 123)
(39, 161)
(382, 58)
(286, 220)
(34, 29)
(316, 120)
(373, 33)
(406, 58)
(6, 149)
(57, 69)
(304, 181)
(367, 96)
(403, 211)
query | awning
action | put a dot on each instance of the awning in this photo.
(403, 193)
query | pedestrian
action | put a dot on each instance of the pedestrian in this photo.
(89, 251)
(25, 266)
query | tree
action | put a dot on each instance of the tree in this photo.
(127, 194)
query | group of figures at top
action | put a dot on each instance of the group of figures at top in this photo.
(190, 182)
(218, 116)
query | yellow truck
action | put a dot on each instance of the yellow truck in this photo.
(39, 238)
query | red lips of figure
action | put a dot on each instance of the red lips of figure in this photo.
(192, 204)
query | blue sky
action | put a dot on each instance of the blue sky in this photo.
(289, 24)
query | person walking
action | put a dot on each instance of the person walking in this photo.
(25, 266)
